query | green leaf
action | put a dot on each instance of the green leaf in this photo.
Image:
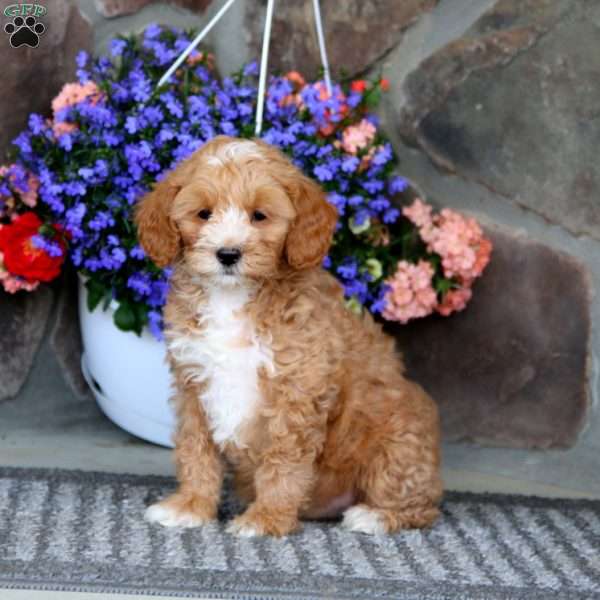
(96, 292)
(141, 315)
(125, 317)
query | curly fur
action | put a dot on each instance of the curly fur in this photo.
(306, 401)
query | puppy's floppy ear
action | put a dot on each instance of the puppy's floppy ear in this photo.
(309, 238)
(157, 233)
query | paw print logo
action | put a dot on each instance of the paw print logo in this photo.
(24, 32)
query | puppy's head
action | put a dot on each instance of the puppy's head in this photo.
(236, 209)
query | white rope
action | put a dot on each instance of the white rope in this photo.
(264, 59)
(322, 49)
(195, 42)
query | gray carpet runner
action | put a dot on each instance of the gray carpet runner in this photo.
(73, 530)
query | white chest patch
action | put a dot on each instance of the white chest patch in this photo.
(227, 356)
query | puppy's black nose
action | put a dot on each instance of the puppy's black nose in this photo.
(228, 256)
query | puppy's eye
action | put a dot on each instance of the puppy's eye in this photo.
(205, 214)
(258, 216)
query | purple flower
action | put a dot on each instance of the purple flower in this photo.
(75, 188)
(137, 252)
(338, 201)
(65, 141)
(51, 247)
(350, 164)
(155, 324)
(117, 47)
(379, 303)
(373, 186)
(250, 69)
(23, 142)
(152, 31)
(361, 216)
(323, 173)
(383, 156)
(348, 269)
(36, 124)
(140, 283)
(379, 203)
(132, 124)
(391, 215)
(81, 59)
(397, 184)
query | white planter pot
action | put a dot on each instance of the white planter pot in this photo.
(128, 374)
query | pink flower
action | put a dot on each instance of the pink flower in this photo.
(61, 128)
(454, 301)
(419, 213)
(460, 243)
(194, 58)
(28, 197)
(356, 137)
(74, 93)
(71, 94)
(457, 239)
(411, 294)
(12, 284)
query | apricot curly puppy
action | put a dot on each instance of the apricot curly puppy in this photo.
(304, 399)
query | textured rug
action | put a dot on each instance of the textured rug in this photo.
(73, 530)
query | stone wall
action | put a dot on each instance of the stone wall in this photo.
(492, 110)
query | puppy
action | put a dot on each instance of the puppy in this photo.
(305, 400)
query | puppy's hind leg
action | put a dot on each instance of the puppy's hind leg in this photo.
(395, 497)
(400, 487)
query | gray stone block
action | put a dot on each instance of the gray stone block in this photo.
(118, 8)
(512, 369)
(23, 319)
(65, 338)
(357, 32)
(512, 104)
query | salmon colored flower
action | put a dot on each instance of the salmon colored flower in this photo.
(460, 243)
(74, 93)
(28, 195)
(357, 137)
(70, 95)
(12, 284)
(454, 301)
(384, 84)
(419, 213)
(410, 293)
(194, 58)
(296, 78)
(457, 239)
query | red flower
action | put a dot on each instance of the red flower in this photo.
(360, 85)
(385, 84)
(20, 255)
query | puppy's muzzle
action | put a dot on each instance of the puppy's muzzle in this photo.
(228, 256)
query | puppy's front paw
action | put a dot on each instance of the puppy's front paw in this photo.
(180, 511)
(255, 522)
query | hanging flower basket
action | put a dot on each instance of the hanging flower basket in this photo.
(114, 133)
